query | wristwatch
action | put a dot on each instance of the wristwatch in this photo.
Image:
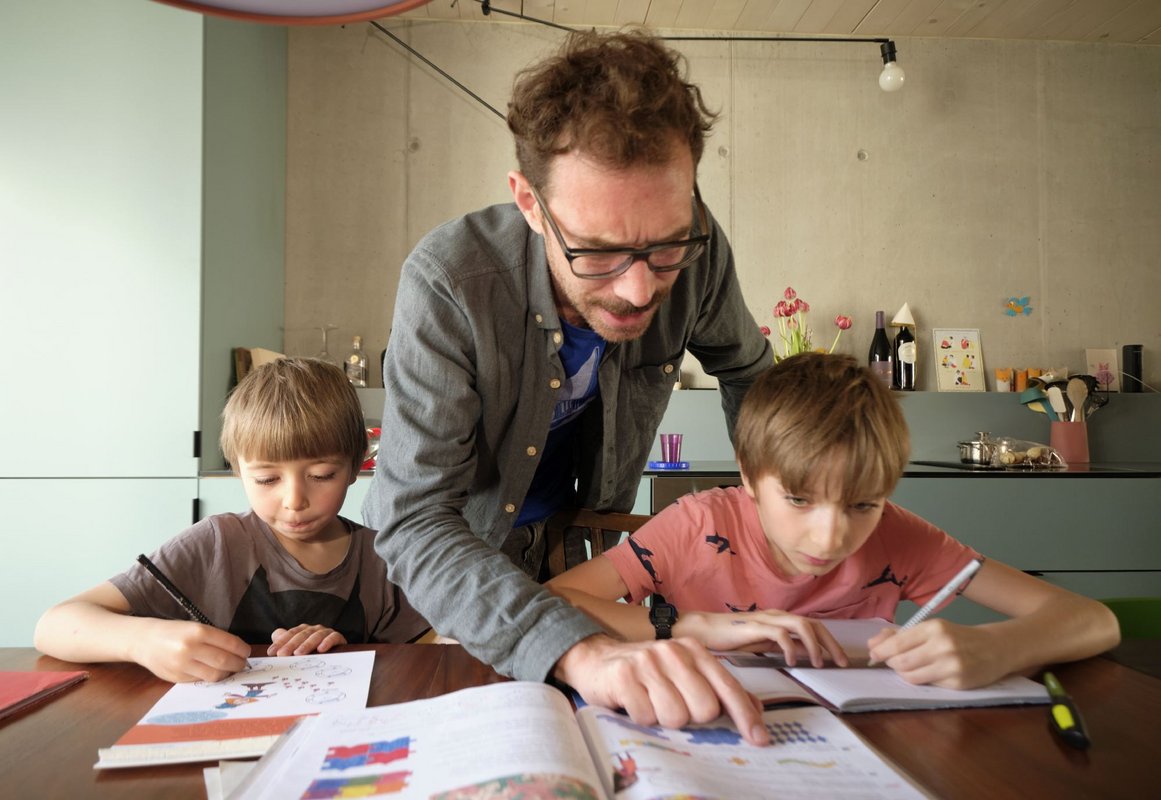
(664, 617)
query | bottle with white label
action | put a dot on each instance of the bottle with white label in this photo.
(880, 356)
(356, 364)
(906, 354)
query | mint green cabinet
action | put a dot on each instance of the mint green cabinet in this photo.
(63, 536)
(1099, 536)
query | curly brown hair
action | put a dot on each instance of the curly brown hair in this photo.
(814, 410)
(621, 98)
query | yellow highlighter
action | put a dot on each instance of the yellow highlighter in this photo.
(1063, 717)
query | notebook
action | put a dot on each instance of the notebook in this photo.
(860, 688)
(242, 715)
(19, 690)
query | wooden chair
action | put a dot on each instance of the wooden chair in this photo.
(568, 531)
(1139, 617)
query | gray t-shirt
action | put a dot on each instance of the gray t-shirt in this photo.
(232, 567)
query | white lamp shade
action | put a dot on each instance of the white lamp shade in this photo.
(300, 12)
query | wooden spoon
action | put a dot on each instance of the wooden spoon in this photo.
(1078, 396)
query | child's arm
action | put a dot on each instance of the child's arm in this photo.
(302, 640)
(1047, 625)
(96, 626)
(594, 586)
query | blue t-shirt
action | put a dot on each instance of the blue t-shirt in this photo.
(553, 486)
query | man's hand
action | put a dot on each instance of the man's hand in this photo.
(303, 639)
(179, 651)
(671, 683)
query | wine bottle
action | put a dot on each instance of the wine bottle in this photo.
(905, 356)
(356, 364)
(879, 357)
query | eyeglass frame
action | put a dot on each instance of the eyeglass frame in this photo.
(633, 254)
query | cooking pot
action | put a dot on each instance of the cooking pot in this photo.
(977, 451)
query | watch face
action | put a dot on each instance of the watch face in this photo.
(663, 613)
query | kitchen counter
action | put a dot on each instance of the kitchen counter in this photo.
(944, 469)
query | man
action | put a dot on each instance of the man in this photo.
(533, 352)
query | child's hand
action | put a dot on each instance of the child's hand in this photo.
(764, 630)
(940, 653)
(179, 651)
(303, 639)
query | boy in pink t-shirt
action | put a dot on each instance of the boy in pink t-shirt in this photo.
(810, 534)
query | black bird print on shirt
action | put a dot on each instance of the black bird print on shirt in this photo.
(643, 555)
(721, 543)
(887, 576)
(738, 610)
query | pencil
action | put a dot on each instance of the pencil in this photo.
(194, 612)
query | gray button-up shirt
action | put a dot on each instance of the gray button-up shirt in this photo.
(472, 375)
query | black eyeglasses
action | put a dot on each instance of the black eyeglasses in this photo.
(608, 262)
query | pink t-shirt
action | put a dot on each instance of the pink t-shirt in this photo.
(707, 552)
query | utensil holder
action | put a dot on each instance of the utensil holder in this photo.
(1070, 440)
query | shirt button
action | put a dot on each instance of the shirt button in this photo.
(531, 451)
(556, 337)
(554, 383)
(511, 509)
(539, 318)
(668, 368)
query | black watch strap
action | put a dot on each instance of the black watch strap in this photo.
(664, 617)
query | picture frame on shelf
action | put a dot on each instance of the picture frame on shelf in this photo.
(1102, 365)
(959, 360)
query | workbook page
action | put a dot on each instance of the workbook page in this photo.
(813, 755)
(502, 740)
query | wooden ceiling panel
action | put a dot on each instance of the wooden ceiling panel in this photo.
(1109, 21)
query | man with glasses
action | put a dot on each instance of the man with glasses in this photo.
(533, 352)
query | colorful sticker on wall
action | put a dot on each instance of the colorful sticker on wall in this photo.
(959, 360)
(1018, 306)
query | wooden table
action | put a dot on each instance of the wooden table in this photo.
(48, 751)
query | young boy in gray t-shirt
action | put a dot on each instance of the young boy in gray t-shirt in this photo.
(290, 572)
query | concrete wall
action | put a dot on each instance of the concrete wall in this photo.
(1002, 169)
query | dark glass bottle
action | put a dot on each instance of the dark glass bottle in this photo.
(879, 358)
(906, 354)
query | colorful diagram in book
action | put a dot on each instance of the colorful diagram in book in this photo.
(812, 754)
(263, 699)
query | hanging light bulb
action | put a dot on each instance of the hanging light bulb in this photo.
(891, 78)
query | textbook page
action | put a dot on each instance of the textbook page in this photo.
(242, 715)
(813, 754)
(500, 740)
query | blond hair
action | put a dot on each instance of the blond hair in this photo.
(294, 408)
(814, 412)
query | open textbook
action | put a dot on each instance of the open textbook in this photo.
(523, 739)
(242, 715)
(860, 688)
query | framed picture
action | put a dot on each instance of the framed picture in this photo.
(1102, 365)
(959, 360)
